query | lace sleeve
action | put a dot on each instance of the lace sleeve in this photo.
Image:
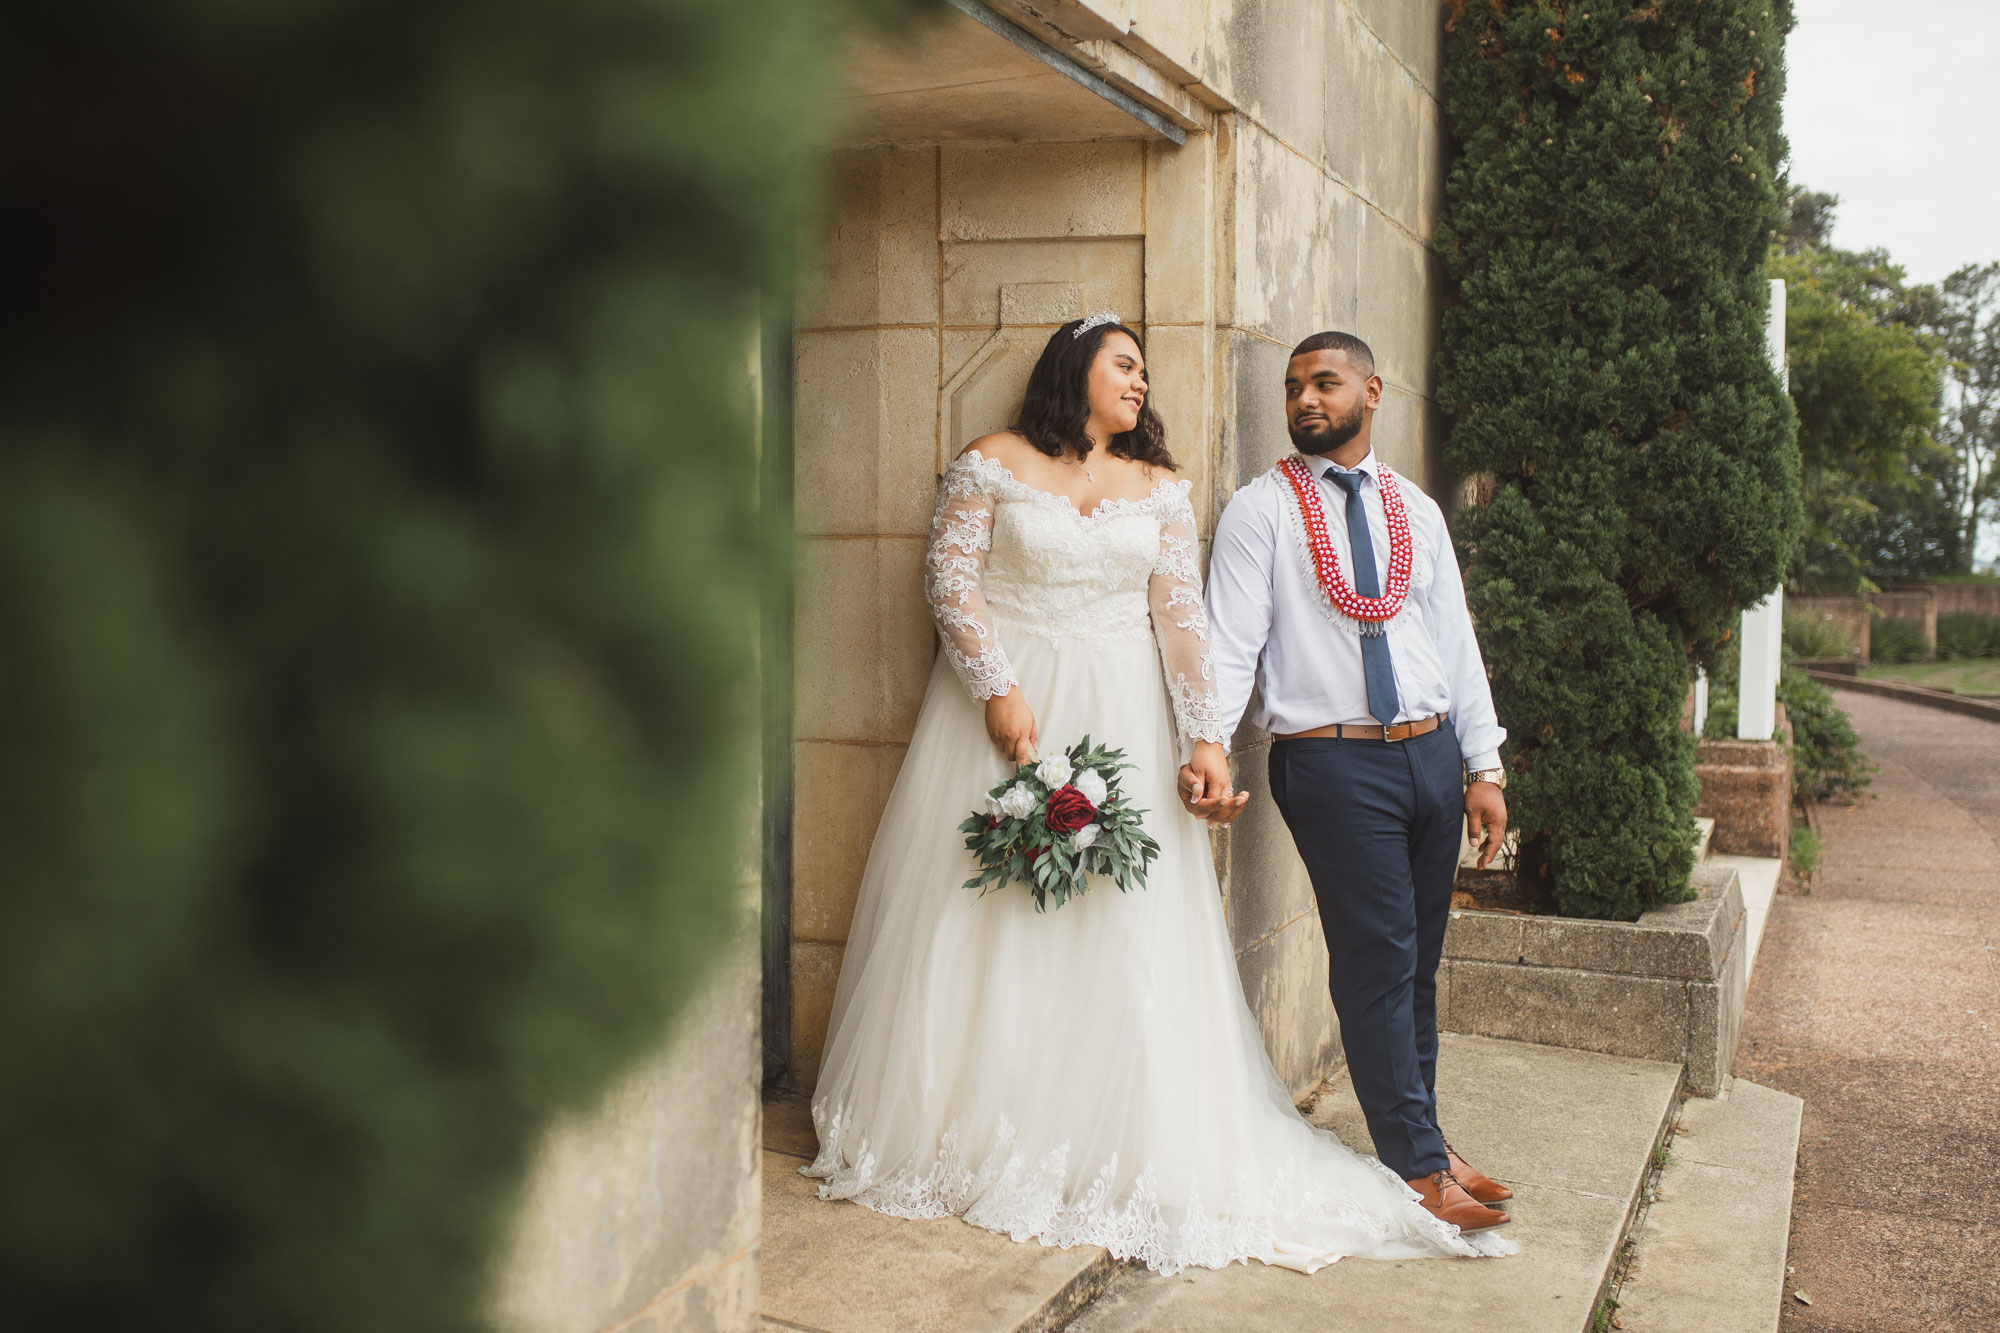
(1181, 626)
(961, 534)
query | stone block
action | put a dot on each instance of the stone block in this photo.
(872, 257)
(1746, 787)
(654, 1190)
(1688, 949)
(995, 192)
(1268, 887)
(983, 391)
(815, 974)
(1178, 373)
(1292, 234)
(1401, 439)
(1715, 1019)
(1253, 424)
(1376, 120)
(1491, 937)
(1399, 302)
(863, 642)
(1285, 982)
(1642, 1017)
(1269, 58)
(1110, 272)
(1171, 35)
(1180, 232)
(865, 431)
(1413, 30)
(838, 794)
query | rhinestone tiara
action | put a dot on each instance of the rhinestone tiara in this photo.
(1100, 318)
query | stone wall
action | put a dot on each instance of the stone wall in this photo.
(643, 1216)
(1304, 203)
(1976, 599)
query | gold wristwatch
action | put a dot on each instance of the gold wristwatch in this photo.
(1496, 776)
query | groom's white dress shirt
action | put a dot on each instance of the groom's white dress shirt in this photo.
(1269, 625)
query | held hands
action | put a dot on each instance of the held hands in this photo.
(1205, 787)
(1485, 820)
(1011, 724)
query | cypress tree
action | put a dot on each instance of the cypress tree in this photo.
(1606, 225)
(378, 563)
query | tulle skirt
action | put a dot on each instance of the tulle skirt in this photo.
(1088, 1075)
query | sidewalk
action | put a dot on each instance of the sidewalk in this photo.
(1877, 999)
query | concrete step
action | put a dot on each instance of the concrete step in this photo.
(1757, 878)
(1573, 1133)
(1705, 834)
(1709, 1251)
(841, 1268)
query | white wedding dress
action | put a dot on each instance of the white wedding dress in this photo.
(1089, 1075)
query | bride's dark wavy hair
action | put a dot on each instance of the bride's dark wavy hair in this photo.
(1057, 405)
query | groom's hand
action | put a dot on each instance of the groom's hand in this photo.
(1205, 786)
(1485, 820)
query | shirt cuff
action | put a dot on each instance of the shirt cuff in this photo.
(1484, 759)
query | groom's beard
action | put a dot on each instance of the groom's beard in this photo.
(1316, 439)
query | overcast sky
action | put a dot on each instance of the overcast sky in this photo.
(1889, 105)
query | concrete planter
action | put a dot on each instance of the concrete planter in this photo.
(1669, 986)
(1746, 788)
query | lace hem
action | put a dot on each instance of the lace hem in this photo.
(1291, 1221)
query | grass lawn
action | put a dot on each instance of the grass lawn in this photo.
(1977, 675)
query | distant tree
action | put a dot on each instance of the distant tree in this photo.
(1966, 320)
(1865, 381)
(1808, 219)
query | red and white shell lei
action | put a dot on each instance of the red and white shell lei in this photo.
(1369, 614)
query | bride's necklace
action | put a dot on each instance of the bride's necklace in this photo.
(1089, 470)
(1370, 613)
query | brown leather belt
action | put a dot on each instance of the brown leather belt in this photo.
(1371, 731)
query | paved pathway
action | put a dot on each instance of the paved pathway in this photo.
(1876, 998)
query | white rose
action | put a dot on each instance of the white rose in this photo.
(1091, 784)
(991, 807)
(1018, 801)
(1087, 835)
(1054, 771)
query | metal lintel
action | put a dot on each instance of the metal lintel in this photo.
(1068, 67)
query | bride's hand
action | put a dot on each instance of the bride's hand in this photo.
(1205, 786)
(1011, 724)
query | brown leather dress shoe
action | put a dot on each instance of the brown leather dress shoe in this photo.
(1445, 1199)
(1477, 1183)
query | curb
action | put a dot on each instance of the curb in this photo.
(1913, 694)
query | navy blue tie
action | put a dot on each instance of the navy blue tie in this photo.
(1383, 705)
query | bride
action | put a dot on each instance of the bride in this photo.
(1091, 1075)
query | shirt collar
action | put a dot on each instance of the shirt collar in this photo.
(1321, 466)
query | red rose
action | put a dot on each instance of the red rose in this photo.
(1069, 810)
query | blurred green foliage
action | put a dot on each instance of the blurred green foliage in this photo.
(1606, 225)
(1809, 636)
(1963, 634)
(378, 562)
(1891, 640)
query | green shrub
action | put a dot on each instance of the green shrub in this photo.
(1810, 636)
(1806, 848)
(378, 575)
(1606, 226)
(1891, 641)
(1962, 634)
(1827, 763)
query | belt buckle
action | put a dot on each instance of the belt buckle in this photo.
(1388, 727)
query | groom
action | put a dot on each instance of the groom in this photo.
(1333, 588)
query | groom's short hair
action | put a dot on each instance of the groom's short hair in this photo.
(1357, 351)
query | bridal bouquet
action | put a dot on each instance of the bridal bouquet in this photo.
(1056, 823)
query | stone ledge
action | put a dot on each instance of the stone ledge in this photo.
(1912, 694)
(1668, 987)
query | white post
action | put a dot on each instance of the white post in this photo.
(1764, 624)
(1700, 700)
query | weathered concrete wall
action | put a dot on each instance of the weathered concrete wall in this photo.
(644, 1215)
(1306, 203)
